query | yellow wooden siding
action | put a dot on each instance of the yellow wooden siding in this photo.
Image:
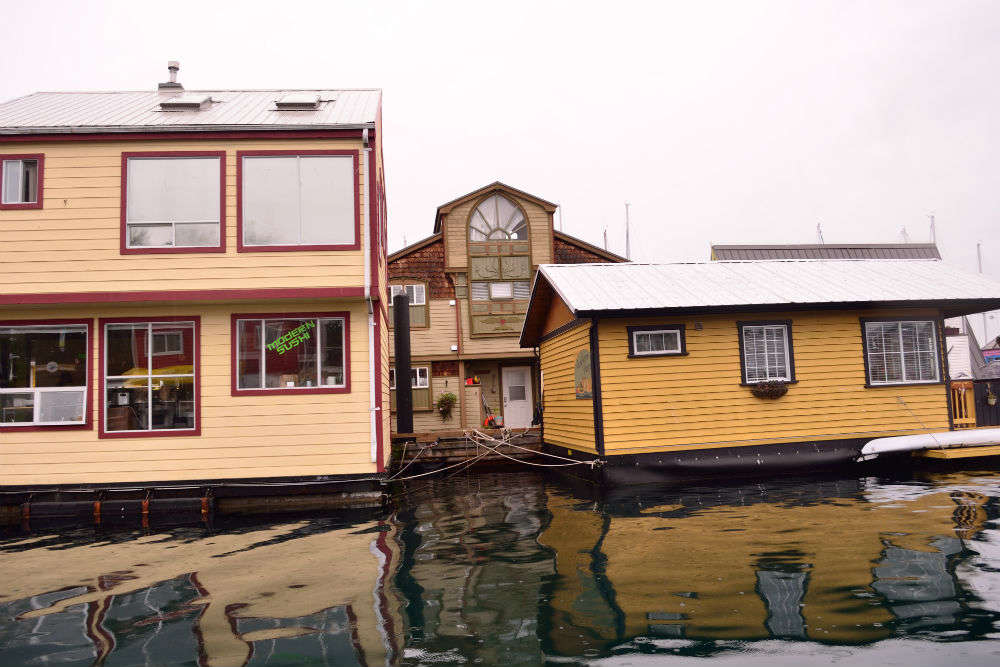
(436, 339)
(241, 436)
(72, 245)
(569, 420)
(696, 401)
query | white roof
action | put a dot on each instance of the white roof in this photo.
(615, 287)
(132, 111)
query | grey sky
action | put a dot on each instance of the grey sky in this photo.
(718, 121)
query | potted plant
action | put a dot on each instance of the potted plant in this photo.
(445, 403)
(769, 389)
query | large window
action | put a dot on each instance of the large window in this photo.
(766, 351)
(44, 374)
(150, 377)
(21, 181)
(291, 353)
(298, 201)
(656, 341)
(901, 352)
(173, 202)
(497, 219)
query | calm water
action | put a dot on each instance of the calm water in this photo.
(518, 569)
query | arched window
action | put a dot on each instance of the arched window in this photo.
(497, 219)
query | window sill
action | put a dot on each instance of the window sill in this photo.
(159, 433)
(297, 248)
(172, 250)
(658, 354)
(868, 385)
(291, 390)
(47, 427)
(21, 207)
(750, 384)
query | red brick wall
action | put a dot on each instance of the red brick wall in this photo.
(444, 368)
(426, 264)
(566, 253)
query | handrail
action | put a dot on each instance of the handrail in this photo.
(963, 404)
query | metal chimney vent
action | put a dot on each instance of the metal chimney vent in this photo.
(186, 102)
(298, 102)
(172, 68)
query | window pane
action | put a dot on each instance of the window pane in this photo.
(332, 352)
(196, 235)
(522, 290)
(327, 200)
(43, 357)
(173, 189)
(270, 201)
(61, 406)
(480, 291)
(177, 344)
(127, 351)
(876, 367)
(150, 235)
(173, 403)
(890, 336)
(29, 181)
(290, 353)
(925, 335)
(11, 181)
(127, 402)
(642, 342)
(501, 291)
(248, 355)
(17, 408)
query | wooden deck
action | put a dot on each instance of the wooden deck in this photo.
(448, 447)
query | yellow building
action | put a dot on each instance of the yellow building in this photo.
(193, 287)
(708, 366)
(468, 286)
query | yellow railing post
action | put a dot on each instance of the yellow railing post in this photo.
(963, 404)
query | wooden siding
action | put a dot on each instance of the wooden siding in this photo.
(241, 436)
(434, 340)
(498, 346)
(569, 421)
(696, 401)
(559, 315)
(72, 244)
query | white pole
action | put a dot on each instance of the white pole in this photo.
(628, 241)
(979, 256)
(933, 230)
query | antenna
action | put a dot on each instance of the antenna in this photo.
(933, 230)
(605, 238)
(560, 217)
(979, 257)
(819, 232)
(905, 234)
(628, 242)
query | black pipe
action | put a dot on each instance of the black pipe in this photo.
(404, 389)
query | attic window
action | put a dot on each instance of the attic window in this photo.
(186, 102)
(298, 102)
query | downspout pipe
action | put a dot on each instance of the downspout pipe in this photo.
(914, 443)
(366, 252)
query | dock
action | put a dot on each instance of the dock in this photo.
(450, 447)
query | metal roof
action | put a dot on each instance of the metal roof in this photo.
(828, 251)
(610, 289)
(135, 111)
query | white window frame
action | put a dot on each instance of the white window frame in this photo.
(263, 356)
(508, 285)
(169, 335)
(412, 290)
(149, 377)
(656, 353)
(416, 382)
(4, 166)
(37, 391)
(129, 225)
(901, 353)
(788, 376)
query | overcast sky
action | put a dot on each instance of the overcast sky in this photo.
(720, 122)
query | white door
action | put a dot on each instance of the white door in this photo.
(517, 396)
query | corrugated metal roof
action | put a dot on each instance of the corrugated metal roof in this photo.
(131, 111)
(828, 251)
(617, 287)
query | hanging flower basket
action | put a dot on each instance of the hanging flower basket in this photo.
(769, 389)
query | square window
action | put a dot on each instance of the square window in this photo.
(298, 201)
(21, 181)
(656, 341)
(501, 291)
(419, 377)
(900, 351)
(766, 352)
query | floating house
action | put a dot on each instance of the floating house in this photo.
(661, 367)
(468, 286)
(193, 287)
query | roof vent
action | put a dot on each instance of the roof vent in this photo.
(298, 102)
(186, 102)
(172, 68)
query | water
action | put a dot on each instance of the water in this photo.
(520, 569)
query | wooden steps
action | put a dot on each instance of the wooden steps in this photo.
(445, 448)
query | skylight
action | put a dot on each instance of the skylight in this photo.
(298, 102)
(186, 102)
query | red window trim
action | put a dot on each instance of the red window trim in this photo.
(123, 243)
(88, 424)
(176, 433)
(41, 179)
(234, 387)
(240, 247)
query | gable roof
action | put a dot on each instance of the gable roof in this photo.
(609, 290)
(138, 111)
(446, 208)
(827, 251)
(419, 245)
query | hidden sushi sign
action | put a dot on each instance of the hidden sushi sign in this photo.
(292, 339)
(582, 378)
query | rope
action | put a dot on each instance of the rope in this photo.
(920, 421)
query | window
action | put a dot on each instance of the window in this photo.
(21, 181)
(766, 351)
(44, 373)
(501, 291)
(174, 202)
(419, 312)
(479, 291)
(900, 351)
(296, 352)
(297, 201)
(150, 392)
(417, 293)
(419, 378)
(656, 341)
(497, 219)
